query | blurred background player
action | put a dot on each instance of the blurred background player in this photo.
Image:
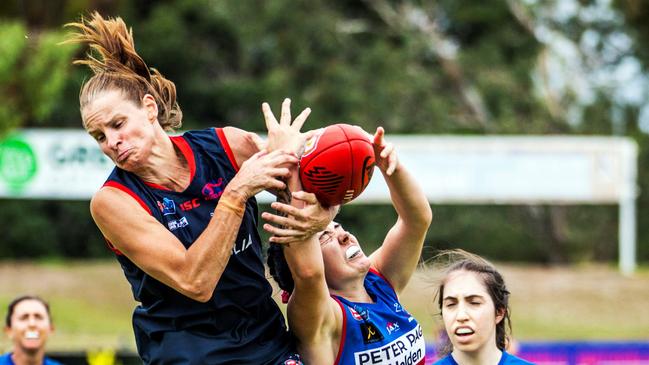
(344, 306)
(28, 325)
(474, 303)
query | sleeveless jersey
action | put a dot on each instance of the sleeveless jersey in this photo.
(245, 323)
(382, 332)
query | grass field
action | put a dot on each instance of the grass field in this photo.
(92, 302)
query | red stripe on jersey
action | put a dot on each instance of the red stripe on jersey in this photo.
(343, 332)
(116, 185)
(113, 248)
(226, 146)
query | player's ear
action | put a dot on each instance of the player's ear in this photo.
(500, 314)
(148, 102)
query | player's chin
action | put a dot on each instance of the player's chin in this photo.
(362, 262)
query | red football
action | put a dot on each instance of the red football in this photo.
(337, 164)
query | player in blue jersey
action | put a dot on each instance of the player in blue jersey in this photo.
(180, 213)
(28, 324)
(474, 304)
(344, 306)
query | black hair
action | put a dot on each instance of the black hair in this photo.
(12, 306)
(493, 281)
(279, 269)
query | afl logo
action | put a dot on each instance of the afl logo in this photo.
(311, 143)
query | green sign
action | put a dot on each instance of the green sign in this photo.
(17, 163)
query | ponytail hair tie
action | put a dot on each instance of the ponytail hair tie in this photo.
(285, 296)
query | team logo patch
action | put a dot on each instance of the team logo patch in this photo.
(167, 206)
(371, 334)
(363, 312)
(355, 314)
(213, 190)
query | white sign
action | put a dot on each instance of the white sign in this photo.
(516, 170)
(51, 164)
(67, 164)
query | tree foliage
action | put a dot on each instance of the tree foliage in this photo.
(420, 66)
(33, 72)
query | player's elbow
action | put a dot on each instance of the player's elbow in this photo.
(427, 216)
(421, 220)
(198, 291)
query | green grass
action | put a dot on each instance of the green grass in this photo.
(92, 302)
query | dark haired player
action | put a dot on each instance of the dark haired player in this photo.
(344, 306)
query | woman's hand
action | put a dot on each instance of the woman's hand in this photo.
(299, 223)
(285, 134)
(262, 171)
(384, 153)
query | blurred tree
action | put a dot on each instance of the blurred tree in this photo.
(421, 66)
(33, 72)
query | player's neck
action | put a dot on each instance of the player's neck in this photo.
(167, 167)
(486, 355)
(354, 291)
(23, 358)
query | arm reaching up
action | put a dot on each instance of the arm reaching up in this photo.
(397, 257)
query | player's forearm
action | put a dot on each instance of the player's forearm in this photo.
(408, 198)
(207, 258)
(305, 261)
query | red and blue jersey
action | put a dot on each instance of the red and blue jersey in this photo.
(382, 332)
(245, 324)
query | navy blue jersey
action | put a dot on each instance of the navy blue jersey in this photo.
(505, 359)
(382, 332)
(241, 321)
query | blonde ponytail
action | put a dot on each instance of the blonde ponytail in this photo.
(117, 66)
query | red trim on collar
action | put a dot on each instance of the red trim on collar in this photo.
(377, 272)
(226, 147)
(187, 152)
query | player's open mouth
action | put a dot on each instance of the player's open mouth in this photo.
(352, 252)
(32, 335)
(464, 331)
